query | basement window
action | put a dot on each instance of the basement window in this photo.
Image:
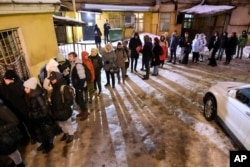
(10, 46)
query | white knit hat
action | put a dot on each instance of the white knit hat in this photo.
(31, 83)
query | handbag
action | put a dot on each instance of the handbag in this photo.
(113, 68)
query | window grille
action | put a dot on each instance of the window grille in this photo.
(11, 53)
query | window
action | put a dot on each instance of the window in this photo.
(164, 21)
(10, 46)
(114, 20)
(188, 20)
(139, 22)
(11, 54)
(243, 95)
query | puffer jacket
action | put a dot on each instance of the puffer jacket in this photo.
(97, 63)
(61, 111)
(44, 126)
(108, 57)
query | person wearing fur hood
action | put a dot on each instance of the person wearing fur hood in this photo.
(109, 59)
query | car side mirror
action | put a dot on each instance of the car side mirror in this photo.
(232, 93)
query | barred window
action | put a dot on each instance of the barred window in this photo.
(164, 22)
(139, 22)
(114, 20)
(188, 21)
(10, 46)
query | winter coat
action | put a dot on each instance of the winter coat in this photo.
(164, 56)
(13, 96)
(77, 74)
(186, 43)
(157, 50)
(97, 63)
(98, 34)
(133, 44)
(174, 41)
(231, 45)
(223, 41)
(121, 57)
(10, 135)
(40, 120)
(147, 51)
(90, 66)
(109, 58)
(214, 43)
(243, 40)
(61, 111)
(196, 45)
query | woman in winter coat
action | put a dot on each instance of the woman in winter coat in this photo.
(44, 126)
(231, 47)
(126, 49)
(98, 34)
(90, 84)
(133, 44)
(147, 55)
(121, 58)
(157, 51)
(10, 136)
(164, 45)
(97, 63)
(109, 59)
(196, 47)
(61, 102)
(213, 47)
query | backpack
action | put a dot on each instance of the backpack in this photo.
(71, 90)
(87, 72)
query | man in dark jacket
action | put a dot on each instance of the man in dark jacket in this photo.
(147, 55)
(133, 44)
(106, 28)
(61, 102)
(173, 46)
(78, 80)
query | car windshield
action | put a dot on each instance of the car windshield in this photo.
(243, 95)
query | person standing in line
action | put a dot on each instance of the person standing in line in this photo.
(164, 45)
(231, 47)
(147, 55)
(44, 126)
(133, 44)
(13, 95)
(106, 28)
(196, 46)
(157, 51)
(109, 59)
(61, 102)
(98, 34)
(204, 46)
(223, 43)
(78, 81)
(242, 43)
(97, 63)
(186, 45)
(9, 144)
(90, 84)
(126, 49)
(173, 46)
(121, 58)
(213, 47)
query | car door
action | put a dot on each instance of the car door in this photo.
(237, 118)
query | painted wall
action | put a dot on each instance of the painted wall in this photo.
(37, 35)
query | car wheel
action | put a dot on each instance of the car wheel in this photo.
(209, 107)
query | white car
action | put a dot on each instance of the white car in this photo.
(229, 103)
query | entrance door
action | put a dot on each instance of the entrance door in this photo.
(88, 30)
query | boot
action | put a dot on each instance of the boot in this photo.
(48, 148)
(84, 116)
(64, 137)
(69, 138)
(20, 165)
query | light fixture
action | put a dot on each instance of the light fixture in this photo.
(115, 7)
